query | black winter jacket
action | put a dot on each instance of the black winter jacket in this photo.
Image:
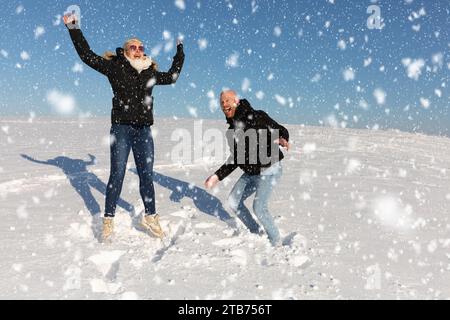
(250, 154)
(133, 101)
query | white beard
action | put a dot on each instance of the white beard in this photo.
(140, 64)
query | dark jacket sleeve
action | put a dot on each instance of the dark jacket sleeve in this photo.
(225, 170)
(231, 164)
(93, 60)
(172, 75)
(272, 124)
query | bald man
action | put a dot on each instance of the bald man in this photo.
(254, 139)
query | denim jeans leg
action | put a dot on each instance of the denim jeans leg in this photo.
(264, 188)
(119, 149)
(143, 151)
(243, 189)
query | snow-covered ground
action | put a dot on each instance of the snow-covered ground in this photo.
(364, 215)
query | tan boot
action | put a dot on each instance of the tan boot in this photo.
(108, 228)
(151, 223)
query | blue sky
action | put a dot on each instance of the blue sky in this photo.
(308, 62)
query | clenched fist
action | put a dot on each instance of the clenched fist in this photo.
(211, 181)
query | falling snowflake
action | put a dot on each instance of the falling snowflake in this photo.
(180, 4)
(277, 31)
(192, 111)
(233, 60)
(331, 121)
(245, 85)
(167, 35)
(202, 44)
(413, 67)
(259, 95)
(380, 96)
(391, 212)
(342, 45)
(39, 31)
(19, 9)
(280, 99)
(349, 74)
(57, 21)
(77, 68)
(425, 103)
(24, 55)
(63, 104)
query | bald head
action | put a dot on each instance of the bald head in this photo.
(229, 101)
(230, 93)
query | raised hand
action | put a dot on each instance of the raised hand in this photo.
(71, 21)
(282, 142)
(93, 159)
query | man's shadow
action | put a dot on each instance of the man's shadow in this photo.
(82, 180)
(204, 201)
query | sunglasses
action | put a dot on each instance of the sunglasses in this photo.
(136, 48)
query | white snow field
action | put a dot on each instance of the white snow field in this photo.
(364, 215)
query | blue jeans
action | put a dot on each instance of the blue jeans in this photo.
(263, 185)
(140, 140)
